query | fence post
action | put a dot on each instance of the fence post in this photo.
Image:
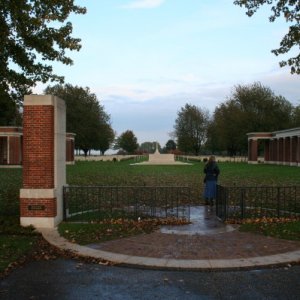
(226, 191)
(278, 202)
(242, 203)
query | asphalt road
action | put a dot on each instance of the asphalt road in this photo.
(72, 279)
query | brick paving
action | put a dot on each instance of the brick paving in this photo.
(228, 245)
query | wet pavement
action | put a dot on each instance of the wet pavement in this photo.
(71, 280)
(205, 247)
(205, 244)
(203, 222)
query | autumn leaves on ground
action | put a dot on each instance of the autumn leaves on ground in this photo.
(18, 245)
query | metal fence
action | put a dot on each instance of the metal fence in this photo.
(99, 202)
(257, 202)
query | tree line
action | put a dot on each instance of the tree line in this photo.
(36, 33)
(250, 108)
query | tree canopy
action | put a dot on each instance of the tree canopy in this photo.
(290, 11)
(127, 141)
(33, 33)
(250, 108)
(147, 147)
(170, 146)
(191, 128)
(85, 117)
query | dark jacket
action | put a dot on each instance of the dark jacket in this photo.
(211, 171)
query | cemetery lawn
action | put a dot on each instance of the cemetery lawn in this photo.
(15, 241)
(289, 230)
(13, 236)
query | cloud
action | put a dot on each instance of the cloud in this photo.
(144, 4)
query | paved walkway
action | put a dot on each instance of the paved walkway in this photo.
(204, 244)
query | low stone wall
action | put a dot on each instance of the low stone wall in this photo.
(106, 157)
(218, 158)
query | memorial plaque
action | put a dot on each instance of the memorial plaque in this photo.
(36, 207)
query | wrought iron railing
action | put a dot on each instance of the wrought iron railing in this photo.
(256, 202)
(99, 202)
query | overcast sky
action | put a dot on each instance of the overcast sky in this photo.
(145, 59)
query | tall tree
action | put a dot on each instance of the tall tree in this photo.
(170, 146)
(148, 147)
(127, 141)
(250, 108)
(290, 11)
(106, 137)
(9, 112)
(33, 33)
(190, 128)
(85, 117)
(296, 116)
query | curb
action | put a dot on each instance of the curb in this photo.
(52, 236)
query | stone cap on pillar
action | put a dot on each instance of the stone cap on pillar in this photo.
(259, 135)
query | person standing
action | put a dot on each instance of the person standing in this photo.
(212, 172)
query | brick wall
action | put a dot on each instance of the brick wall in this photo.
(38, 146)
(40, 207)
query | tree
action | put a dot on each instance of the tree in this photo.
(9, 112)
(127, 141)
(296, 116)
(250, 108)
(290, 10)
(148, 147)
(85, 117)
(106, 138)
(31, 38)
(190, 128)
(170, 146)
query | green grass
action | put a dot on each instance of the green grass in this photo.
(122, 174)
(109, 173)
(12, 236)
(110, 229)
(288, 230)
(15, 241)
(91, 233)
(13, 247)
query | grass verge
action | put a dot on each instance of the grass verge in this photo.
(106, 230)
(289, 230)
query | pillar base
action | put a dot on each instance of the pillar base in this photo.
(40, 207)
(39, 222)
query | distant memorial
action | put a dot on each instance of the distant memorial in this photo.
(161, 159)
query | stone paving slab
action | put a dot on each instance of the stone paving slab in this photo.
(221, 251)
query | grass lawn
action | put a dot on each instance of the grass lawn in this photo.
(12, 236)
(283, 230)
(15, 241)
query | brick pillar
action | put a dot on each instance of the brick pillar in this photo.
(287, 150)
(267, 151)
(252, 151)
(294, 142)
(275, 150)
(280, 157)
(44, 150)
(271, 151)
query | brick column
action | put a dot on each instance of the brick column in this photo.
(294, 142)
(267, 153)
(287, 150)
(44, 150)
(252, 151)
(280, 157)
